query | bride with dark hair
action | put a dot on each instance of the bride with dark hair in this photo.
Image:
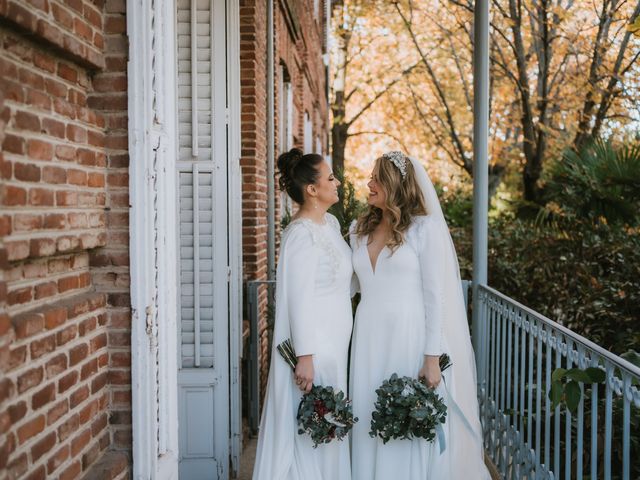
(313, 309)
(411, 311)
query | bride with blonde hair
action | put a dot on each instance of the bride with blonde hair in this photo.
(411, 311)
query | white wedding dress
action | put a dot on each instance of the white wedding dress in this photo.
(412, 305)
(313, 308)
(392, 334)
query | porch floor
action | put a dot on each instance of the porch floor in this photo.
(249, 456)
(247, 459)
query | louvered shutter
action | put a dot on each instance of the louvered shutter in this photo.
(196, 268)
(201, 178)
(196, 183)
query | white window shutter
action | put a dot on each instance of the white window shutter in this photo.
(196, 183)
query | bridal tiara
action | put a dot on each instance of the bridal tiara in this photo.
(399, 159)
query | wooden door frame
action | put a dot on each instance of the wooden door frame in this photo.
(152, 147)
(153, 152)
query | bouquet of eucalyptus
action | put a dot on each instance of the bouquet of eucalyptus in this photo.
(324, 414)
(406, 408)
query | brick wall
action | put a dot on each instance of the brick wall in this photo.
(65, 409)
(299, 46)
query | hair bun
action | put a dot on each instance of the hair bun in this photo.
(287, 163)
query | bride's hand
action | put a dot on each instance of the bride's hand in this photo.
(430, 371)
(304, 373)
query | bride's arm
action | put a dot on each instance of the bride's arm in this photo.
(432, 266)
(300, 270)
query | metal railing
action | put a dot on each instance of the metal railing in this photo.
(524, 437)
(254, 371)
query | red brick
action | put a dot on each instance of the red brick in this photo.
(55, 88)
(44, 62)
(119, 377)
(44, 290)
(26, 222)
(43, 446)
(17, 357)
(68, 381)
(54, 175)
(77, 177)
(63, 17)
(69, 427)
(77, 220)
(39, 150)
(26, 172)
(31, 79)
(53, 127)
(40, 247)
(66, 335)
(79, 396)
(103, 360)
(83, 30)
(76, 134)
(43, 396)
(40, 473)
(27, 121)
(88, 412)
(86, 157)
(96, 139)
(98, 342)
(22, 295)
(78, 353)
(67, 283)
(28, 324)
(89, 369)
(41, 197)
(7, 390)
(67, 199)
(66, 152)
(72, 471)
(54, 317)
(13, 196)
(56, 365)
(38, 99)
(80, 441)
(29, 379)
(42, 346)
(90, 456)
(57, 459)
(96, 180)
(92, 15)
(64, 108)
(87, 326)
(115, 24)
(17, 411)
(18, 467)
(55, 220)
(35, 270)
(31, 428)
(13, 144)
(99, 382)
(84, 280)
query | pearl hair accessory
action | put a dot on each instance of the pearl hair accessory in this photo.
(399, 160)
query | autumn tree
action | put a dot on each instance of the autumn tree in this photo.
(562, 71)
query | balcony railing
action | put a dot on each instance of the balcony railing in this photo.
(524, 436)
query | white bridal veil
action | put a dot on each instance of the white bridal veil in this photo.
(464, 422)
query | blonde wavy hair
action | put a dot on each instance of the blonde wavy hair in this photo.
(404, 200)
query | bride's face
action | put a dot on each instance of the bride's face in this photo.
(377, 195)
(326, 186)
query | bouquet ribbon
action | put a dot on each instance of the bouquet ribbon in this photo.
(451, 403)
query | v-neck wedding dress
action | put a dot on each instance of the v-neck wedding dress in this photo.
(396, 324)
